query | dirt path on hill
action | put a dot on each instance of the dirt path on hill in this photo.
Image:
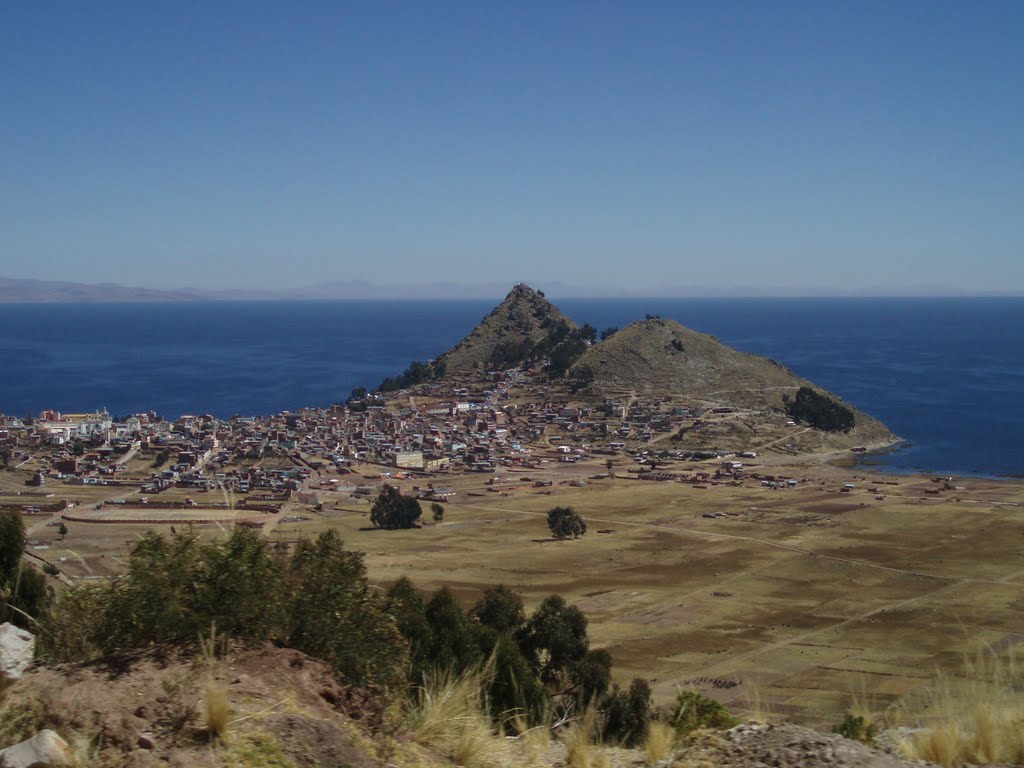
(749, 389)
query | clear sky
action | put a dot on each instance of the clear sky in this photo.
(740, 148)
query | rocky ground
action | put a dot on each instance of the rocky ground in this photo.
(286, 709)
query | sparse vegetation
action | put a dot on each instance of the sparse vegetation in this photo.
(255, 749)
(856, 727)
(971, 716)
(692, 710)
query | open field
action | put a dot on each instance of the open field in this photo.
(800, 596)
(795, 597)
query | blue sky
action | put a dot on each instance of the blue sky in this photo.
(737, 148)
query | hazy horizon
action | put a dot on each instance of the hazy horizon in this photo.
(356, 290)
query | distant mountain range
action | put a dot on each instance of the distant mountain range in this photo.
(27, 290)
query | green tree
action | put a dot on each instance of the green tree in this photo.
(625, 714)
(392, 510)
(593, 676)
(438, 511)
(12, 545)
(62, 530)
(330, 613)
(454, 639)
(236, 584)
(501, 609)
(554, 641)
(566, 523)
(819, 411)
(514, 686)
(24, 596)
(407, 605)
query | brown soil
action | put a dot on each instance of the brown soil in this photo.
(150, 709)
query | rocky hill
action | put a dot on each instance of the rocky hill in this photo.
(663, 357)
(523, 324)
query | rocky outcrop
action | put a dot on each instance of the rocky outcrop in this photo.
(790, 746)
(44, 750)
(17, 647)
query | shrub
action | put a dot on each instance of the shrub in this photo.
(693, 710)
(317, 601)
(857, 728)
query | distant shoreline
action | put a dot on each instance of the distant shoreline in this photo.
(31, 291)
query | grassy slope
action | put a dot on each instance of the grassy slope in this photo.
(645, 359)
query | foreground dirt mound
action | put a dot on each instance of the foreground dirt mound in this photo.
(788, 746)
(284, 709)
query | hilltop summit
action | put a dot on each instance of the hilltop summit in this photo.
(522, 325)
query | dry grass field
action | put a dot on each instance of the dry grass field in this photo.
(791, 600)
(802, 598)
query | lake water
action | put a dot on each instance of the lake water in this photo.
(946, 374)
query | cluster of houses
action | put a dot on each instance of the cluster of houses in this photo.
(500, 419)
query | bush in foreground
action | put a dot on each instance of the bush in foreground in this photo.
(692, 710)
(316, 600)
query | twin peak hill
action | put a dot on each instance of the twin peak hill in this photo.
(655, 360)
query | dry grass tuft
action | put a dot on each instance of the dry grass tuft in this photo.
(18, 720)
(215, 695)
(660, 739)
(218, 710)
(975, 716)
(531, 742)
(580, 750)
(450, 713)
(758, 707)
